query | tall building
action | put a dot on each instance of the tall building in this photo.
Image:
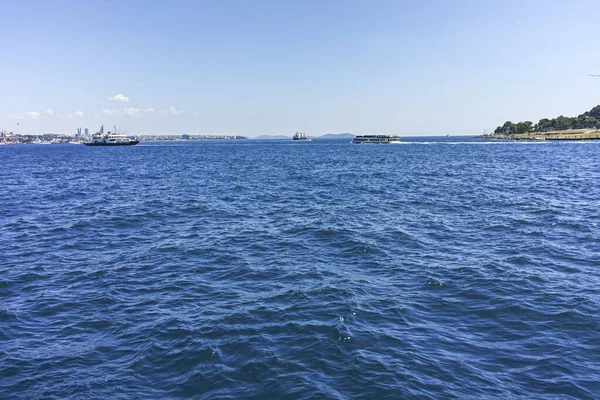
(87, 132)
(78, 132)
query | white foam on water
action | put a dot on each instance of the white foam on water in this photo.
(479, 143)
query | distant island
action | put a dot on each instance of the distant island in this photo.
(272, 137)
(326, 136)
(584, 126)
(336, 136)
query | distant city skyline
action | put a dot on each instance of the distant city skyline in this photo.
(254, 68)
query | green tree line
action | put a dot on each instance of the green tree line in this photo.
(587, 120)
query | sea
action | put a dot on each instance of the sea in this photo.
(437, 268)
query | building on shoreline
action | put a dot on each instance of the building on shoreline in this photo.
(12, 138)
(161, 138)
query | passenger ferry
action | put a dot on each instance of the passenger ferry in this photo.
(376, 139)
(110, 139)
(300, 136)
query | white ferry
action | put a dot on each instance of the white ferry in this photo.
(110, 139)
(376, 139)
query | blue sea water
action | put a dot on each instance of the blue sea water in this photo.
(438, 268)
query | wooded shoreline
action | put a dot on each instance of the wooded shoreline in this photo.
(568, 134)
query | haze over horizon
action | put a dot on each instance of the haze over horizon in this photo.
(272, 68)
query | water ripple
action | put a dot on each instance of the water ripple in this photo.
(438, 269)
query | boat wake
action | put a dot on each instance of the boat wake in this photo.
(475, 143)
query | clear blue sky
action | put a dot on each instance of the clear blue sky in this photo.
(274, 67)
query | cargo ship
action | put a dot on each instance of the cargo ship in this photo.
(300, 136)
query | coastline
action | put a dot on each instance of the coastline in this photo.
(570, 134)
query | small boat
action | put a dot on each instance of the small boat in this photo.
(110, 139)
(376, 139)
(300, 136)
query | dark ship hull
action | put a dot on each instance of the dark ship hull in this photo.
(130, 143)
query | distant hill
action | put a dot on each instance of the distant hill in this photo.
(336, 136)
(279, 137)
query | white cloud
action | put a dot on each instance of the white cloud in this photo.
(169, 111)
(142, 112)
(48, 113)
(32, 114)
(76, 114)
(133, 112)
(24, 115)
(172, 110)
(111, 113)
(120, 97)
(139, 112)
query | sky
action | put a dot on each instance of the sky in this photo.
(267, 67)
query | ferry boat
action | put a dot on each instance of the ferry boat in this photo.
(300, 136)
(110, 139)
(376, 139)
